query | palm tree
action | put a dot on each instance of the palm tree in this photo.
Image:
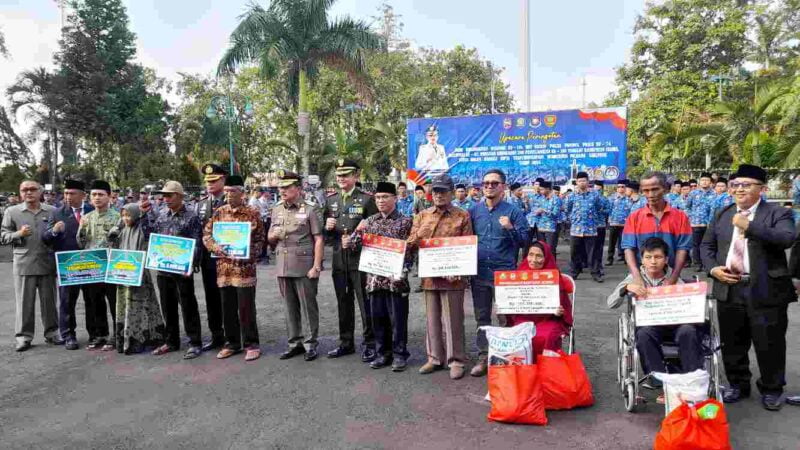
(748, 123)
(293, 37)
(34, 94)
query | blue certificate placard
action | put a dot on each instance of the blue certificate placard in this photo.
(125, 267)
(81, 266)
(170, 254)
(233, 237)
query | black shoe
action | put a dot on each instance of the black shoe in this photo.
(399, 364)
(771, 402)
(734, 394)
(793, 400)
(22, 346)
(54, 340)
(368, 355)
(310, 355)
(341, 351)
(610, 262)
(213, 344)
(292, 352)
(380, 362)
(652, 383)
(598, 278)
(71, 343)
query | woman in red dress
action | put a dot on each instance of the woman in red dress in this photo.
(550, 328)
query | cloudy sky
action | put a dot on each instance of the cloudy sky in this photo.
(570, 39)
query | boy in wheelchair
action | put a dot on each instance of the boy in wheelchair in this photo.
(688, 337)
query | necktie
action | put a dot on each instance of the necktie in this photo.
(77, 214)
(737, 262)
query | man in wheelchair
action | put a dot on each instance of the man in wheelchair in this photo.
(688, 337)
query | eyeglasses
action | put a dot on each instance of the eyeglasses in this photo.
(491, 184)
(744, 185)
(30, 189)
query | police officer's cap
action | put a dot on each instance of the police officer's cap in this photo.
(346, 166)
(287, 178)
(433, 129)
(212, 172)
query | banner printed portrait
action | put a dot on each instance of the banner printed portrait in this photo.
(554, 145)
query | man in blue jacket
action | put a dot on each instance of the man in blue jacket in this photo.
(60, 235)
(502, 230)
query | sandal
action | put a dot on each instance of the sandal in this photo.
(108, 348)
(163, 350)
(192, 353)
(252, 354)
(227, 353)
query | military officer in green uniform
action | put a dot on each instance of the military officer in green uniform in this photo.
(214, 177)
(343, 212)
(296, 233)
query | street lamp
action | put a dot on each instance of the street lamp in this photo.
(224, 102)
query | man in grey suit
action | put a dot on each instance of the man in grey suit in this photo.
(745, 248)
(34, 266)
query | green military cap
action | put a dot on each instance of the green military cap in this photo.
(287, 178)
(212, 172)
(346, 166)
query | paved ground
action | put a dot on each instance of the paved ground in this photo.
(53, 398)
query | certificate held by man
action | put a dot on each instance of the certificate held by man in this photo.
(382, 256)
(448, 256)
(527, 291)
(672, 305)
(234, 238)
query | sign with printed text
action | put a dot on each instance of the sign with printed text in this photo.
(672, 305)
(448, 256)
(170, 254)
(125, 267)
(527, 291)
(233, 237)
(81, 266)
(382, 256)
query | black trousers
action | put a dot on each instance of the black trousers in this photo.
(597, 254)
(687, 336)
(213, 299)
(615, 242)
(697, 238)
(175, 290)
(551, 239)
(742, 325)
(67, 300)
(350, 286)
(239, 317)
(390, 322)
(97, 294)
(582, 255)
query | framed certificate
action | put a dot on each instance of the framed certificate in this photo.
(672, 305)
(527, 291)
(448, 256)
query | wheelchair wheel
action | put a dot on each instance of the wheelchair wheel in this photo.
(629, 396)
(622, 354)
(713, 385)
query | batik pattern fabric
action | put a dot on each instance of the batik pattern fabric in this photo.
(700, 207)
(620, 210)
(582, 208)
(395, 226)
(236, 272)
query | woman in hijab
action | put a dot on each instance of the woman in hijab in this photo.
(550, 328)
(139, 321)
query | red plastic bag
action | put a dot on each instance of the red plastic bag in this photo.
(565, 384)
(703, 426)
(516, 395)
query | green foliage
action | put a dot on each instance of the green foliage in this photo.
(10, 178)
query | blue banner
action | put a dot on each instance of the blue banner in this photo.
(554, 145)
(170, 254)
(125, 267)
(81, 266)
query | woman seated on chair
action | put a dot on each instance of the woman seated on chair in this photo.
(655, 272)
(550, 328)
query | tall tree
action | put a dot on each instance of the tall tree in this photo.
(298, 35)
(3, 48)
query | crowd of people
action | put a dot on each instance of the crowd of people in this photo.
(656, 227)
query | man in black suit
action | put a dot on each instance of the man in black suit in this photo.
(60, 234)
(745, 247)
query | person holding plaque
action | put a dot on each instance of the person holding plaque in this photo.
(236, 278)
(444, 297)
(549, 327)
(388, 296)
(296, 233)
